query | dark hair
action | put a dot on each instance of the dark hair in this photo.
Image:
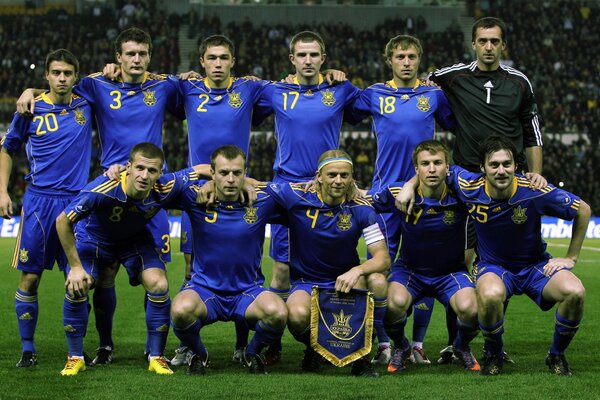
(432, 146)
(307, 37)
(132, 35)
(486, 23)
(216, 40)
(229, 152)
(404, 42)
(495, 143)
(148, 150)
(62, 55)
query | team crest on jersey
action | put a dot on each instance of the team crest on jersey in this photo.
(184, 237)
(79, 117)
(344, 221)
(149, 98)
(404, 97)
(235, 100)
(341, 326)
(519, 215)
(328, 98)
(23, 255)
(449, 217)
(423, 103)
(250, 216)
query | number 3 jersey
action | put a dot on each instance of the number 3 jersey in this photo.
(106, 214)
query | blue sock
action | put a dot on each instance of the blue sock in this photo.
(378, 314)
(264, 335)
(148, 345)
(493, 345)
(105, 304)
(564, 331)
(303, 337)
(75, 320)
(26, 307)
(283, 293)
(190, 337)
(466, 333)
(421, 316)
(395, 330)
(157, 321)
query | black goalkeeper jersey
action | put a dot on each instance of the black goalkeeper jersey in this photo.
(486, 103)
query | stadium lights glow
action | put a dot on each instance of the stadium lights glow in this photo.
(561, 184)
(32, 66)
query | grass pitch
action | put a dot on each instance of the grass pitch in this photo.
(527, 339)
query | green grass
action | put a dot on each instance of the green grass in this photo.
(527, 338)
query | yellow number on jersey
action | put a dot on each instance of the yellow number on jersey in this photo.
(48, 121)
(203, 100)
(116, 99)
(115, 216)
(479, 212)
(312, 216)
(167, 244)
(212, 219)
(416, 214)
(387, 105)
(285, 100)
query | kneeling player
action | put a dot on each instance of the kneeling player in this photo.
(325, 226)
(113, 215)
(431, 261)
(227, 281)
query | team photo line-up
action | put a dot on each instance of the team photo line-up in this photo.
(467, 235)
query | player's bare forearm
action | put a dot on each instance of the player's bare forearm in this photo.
(5, 167)
(534, 159)
(26, 102)
(380, 259)
(203, 171)
(580, 225)
(64, 228)
(405, 200)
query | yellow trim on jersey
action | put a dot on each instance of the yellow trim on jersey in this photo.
(95, 74)
(18, 244)
(471, 185)
(361, 201)
(105, 187)
(321, 79)
(392, 84)
(72, 216)
(164, 187)
(231, 80)
(513, 190)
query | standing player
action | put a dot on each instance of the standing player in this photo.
(308, 117)
(137, 101)
(114, 215)
(227, 252)
(489, 98)
(512, 257)
(431, 261)
(58, 141)
(404, 114)
(325, 226)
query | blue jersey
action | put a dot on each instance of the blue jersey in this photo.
(217, 117)
(509, 231)
(402, 118)
(128, 113)
(228, 240)
(107, 215)
(308, 120)
(433, 235)
(58, 143)
(323, 238)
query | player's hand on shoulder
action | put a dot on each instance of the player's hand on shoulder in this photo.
(112, 71)
(248, 193)
(114, 172)
(6, 208)
(184, 76)
(252, 78)
(206, 194)
(310, 185)
(334, 76)
(289, 79)
(558, 263)
(537, 181)
(26, 103)
(405, 199)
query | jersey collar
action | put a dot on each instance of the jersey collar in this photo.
(231, 79)
(513, 191)
(321, 80)
(393, 85)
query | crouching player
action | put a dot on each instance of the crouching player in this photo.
(226, 284)
(325, 225)
(431, 261)
(113, 215)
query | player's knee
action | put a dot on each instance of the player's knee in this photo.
(182, 311)
(466, 308)
(276, 313)
(490, 294)
(575, 293)
(155, 280)
(398, 302)
(29, 282)
(298, 317)
(377, 283)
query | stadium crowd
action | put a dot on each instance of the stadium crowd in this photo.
(544, 41)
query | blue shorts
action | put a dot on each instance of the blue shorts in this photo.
(135, 256)
(185, 244)
(225, 307)
(159, 228)
(530, 281)
(440, 287)
(38, 245)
